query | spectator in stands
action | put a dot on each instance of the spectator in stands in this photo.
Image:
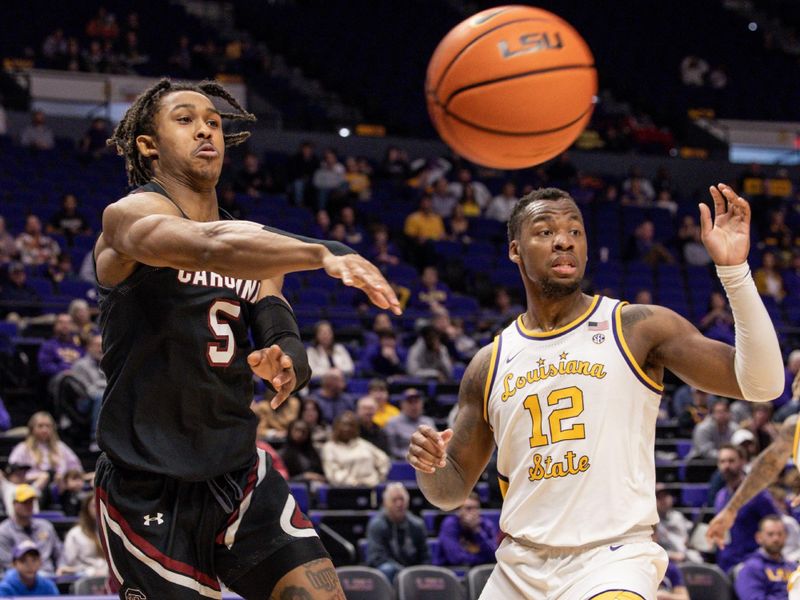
(443, 200)
(395, 166)
(501, 205)
(349, 460)
(383, 252)
(325, 353)
(69, 491)
(692, 413)
(354, 236)
(300, 171)
(329, 180)
(760, 425)
(15, 476)
(87, 371)
(673, 528)
(321, 228)
(396, 538)
(81, 318)
(744, 439)
(561, 172)
(467, 538)
(8, 246)
(24, 579)
(103, 25)
(460, 346)
(714, 432)
(693, 71)
(676, 590)
(428, 357)
(60, 269)
(132, 56)
(386, 358)
(366, 407)
(379, 391)
(778, 237)
(227, 201)
(43, 450)
(643, 247)
(430, 293)
(83, 553)
(358, 181)
(422, 227)
(769, 281)
(92, 145)
(790, 399)
(331, 396)
(299, 455)
(468, 202)
(60, 352)
(665, 201)
(717, 323)
(399, 429)
(33, 246)
(17, 297)
(22, 526)
(180, 60)
(273, 423)
(503, 311)
(252, 179)
(458, 226)
(638, 187)
(765, 573)
(38, 135)
(731, 462)
(310, 413)
(54, 49)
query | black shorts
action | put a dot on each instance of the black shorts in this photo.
(167, 538)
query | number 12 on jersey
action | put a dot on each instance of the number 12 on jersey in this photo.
(558, 431)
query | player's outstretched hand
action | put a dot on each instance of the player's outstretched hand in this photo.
(356, 271)
(719, 527)
(727, 238)
(272, 365)
(428, 449)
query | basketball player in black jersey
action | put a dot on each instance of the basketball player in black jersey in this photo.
(184, 499)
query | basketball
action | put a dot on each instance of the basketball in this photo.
(511, 87)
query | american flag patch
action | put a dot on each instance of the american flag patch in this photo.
(598, 325)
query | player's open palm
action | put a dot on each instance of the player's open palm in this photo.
(271, 364)
(719, 527)
(727, 237)
(356, 271)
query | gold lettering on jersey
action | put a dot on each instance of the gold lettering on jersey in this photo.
(778, 574)
(545, 468)
(513, 382)
(247, 289)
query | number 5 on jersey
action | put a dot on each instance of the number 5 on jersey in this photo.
(558, 431)
(220, 353)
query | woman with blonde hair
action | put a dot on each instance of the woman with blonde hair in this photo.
(83, 553)
(43, 451)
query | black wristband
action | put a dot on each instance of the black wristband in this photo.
(335, 248)
(274, 323)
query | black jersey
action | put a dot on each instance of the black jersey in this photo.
(179, 387)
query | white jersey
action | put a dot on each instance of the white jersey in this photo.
(574, 419)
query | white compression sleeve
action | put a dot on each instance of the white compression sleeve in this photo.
(758, 362)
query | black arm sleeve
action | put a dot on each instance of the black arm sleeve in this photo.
(275, 323)
(336, 248)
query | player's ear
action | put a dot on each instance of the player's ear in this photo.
(146, 145)
(513, 251)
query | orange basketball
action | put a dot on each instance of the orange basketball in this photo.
(511, 87)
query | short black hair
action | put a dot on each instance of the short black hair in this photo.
(520, 211)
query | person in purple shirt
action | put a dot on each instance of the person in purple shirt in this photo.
(730, 462)
(430, 293)
(765, 573)
(466, 538)
(60, 352)
(672, 587)
(331, 397)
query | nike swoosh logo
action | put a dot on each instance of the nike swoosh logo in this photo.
(615, 548)
(513, 356)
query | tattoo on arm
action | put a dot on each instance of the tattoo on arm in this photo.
(764, 470)
(633, 315)
(323, 578)
(317, 581)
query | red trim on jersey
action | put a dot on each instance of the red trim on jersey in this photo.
(152, 552)
(112, 583)
(299, 520)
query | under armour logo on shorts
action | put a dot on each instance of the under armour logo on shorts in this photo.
(134, 594)
(148, 519)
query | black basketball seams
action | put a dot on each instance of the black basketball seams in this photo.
(516, 133)
(472, 86)
(435, 88)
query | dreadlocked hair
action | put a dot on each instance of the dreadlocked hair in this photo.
(139, 120)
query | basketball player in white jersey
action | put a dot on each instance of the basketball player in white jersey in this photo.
(764, 470)
(569, 392)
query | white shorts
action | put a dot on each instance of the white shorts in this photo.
(794, 585)
(628, 571)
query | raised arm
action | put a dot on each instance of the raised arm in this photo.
(763, 471)
(753, 370)
(146, 228)
(449, 463)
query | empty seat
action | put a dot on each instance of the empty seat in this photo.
(425, 582)
(364, 583)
